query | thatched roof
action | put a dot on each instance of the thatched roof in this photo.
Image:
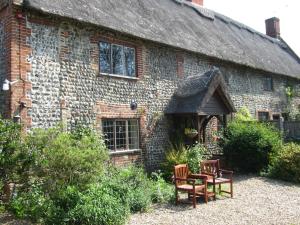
(203, 94)
(183, 25)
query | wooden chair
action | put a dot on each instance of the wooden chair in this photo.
(211, 168)
(184, 183)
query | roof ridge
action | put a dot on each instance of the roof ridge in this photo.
(211, 14)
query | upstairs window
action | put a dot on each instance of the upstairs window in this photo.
(117, 59)
(268, 84)
(121, 134)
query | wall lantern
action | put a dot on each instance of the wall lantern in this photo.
(133, 105)
(7, 83)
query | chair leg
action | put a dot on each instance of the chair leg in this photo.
(231, 190)
(194, 198)
(220, 189)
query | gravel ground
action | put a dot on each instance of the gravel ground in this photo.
(255, 200)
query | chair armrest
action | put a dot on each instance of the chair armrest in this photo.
(226, 171)
(209, 174)
(199, 176)
(187, 180)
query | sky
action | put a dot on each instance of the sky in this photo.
(253, 13)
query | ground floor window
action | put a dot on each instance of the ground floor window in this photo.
(263, 115)
(121, 134)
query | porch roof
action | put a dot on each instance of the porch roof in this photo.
(203, 94)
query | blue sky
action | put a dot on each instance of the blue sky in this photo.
(254, 12)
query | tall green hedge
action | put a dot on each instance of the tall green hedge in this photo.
(248, 145)
(285, 164)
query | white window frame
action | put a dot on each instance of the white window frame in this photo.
(126, 134)
(123, 61)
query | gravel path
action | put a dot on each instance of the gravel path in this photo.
(256, 201)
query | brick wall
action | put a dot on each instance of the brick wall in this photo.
(59, 59)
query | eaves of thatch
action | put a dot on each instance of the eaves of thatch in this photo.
(182, 25)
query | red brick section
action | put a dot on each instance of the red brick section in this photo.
(19, 68)
(180, 66)
(113, 111)
(199, 2)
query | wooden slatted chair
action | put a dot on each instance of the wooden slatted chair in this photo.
(186, 184)
(217, 176)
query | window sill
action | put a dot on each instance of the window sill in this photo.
(118, 76)
(123, 152)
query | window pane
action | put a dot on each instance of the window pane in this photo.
(108, 131)
(263, 116)
(268, 84)
(120, 135)
(129, 61)
(133, 134)
(105, 62)
(117, 60)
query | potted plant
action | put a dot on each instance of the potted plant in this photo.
(190, 132)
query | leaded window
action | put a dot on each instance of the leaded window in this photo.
(121, 134)
(117, 59)
(263, 116)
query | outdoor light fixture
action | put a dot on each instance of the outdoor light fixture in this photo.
(133, 105)
(7, 83)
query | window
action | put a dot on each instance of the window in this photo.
(121, 134)
(276, 117)
(117, 59)
(263, 116)
(268, 84)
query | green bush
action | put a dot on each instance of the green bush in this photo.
(132, 185)
(286, 164)
(34, 205)
(179, 153)
(176, 154)
(248, 145)
(162, 192)
(63, 159)
(195, 155)
(10, 145)
(97, 205)
(67, 181)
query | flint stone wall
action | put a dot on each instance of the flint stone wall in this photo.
(65, 69)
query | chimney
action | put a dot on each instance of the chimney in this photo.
(273, 27)
(198, 2)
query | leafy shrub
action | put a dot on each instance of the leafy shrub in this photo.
(162, 192)
(195, 155)
(98, 206)
(179, 153)
(34, 205)
(247, 145)
(286, 164)
(132, 185)
(176, 154)
(67, 182)
(10, 144)
(63, 159)
(244, 115)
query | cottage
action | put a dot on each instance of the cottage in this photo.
(135, 69)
